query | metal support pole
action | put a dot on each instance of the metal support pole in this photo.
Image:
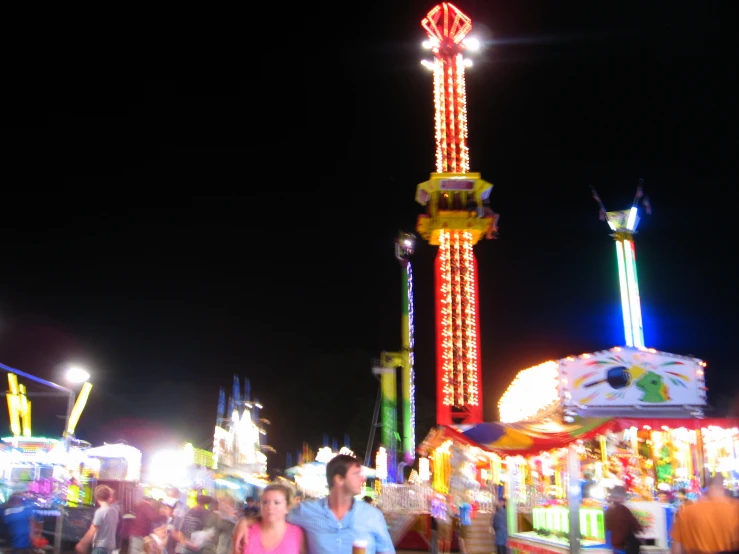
(58, 528)
(700, 458)
(573, 497)
(70, 406)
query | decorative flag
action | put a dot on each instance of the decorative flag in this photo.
(595, 194)
(647, 205)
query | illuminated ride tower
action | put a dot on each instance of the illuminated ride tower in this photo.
(457, 217)
(623, 223)
(387, 370)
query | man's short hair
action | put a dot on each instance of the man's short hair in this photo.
(103, 493)
(339, 465)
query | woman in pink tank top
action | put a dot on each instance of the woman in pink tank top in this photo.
(272, 534)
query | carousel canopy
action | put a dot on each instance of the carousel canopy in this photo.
(527, 438)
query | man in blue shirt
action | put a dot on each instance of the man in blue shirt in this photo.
(333, 523)
(17, 518)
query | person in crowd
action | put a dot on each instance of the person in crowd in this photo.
(332, 524)
(445, 525)
(500, 527)
(464, 513)
(145, 513)
(17, 523)
(225, 522)
(271, 533)
(198, 526)
(620, 522)
(156, 542)
(709, 525)
(102, 533)
(252, 508)
(434, 546)
(681, 500)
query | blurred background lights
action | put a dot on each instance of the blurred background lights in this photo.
(76, 374)
(533, 390)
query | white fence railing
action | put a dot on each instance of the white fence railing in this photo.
(417, 499)
(405, 498)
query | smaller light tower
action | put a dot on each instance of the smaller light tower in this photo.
(404, 247)
(623, 223)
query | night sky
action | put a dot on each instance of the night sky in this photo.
(200, 191)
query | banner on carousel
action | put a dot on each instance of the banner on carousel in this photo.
(633, 377)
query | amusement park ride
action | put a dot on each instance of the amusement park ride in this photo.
(457, 217)
(623, 223)
(390, 361)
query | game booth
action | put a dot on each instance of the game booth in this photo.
(571, 429)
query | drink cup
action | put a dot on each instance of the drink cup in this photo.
(359, 547)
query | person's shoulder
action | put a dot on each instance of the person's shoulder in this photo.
(312, 505)
(296, 529)
(368, 510)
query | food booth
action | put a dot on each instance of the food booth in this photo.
(571, 429)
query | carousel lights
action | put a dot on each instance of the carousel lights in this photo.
(533, 390)
(445, 271)
(468, 277)
(411, 357)
(439, 116)
(449, 87)
(381, 463)
(424, 469)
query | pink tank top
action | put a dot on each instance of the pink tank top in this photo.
(291, 542)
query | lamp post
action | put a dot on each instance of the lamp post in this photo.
(74, 375)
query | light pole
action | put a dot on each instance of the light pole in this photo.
(74, 375)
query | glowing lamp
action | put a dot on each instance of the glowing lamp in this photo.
(533, 390)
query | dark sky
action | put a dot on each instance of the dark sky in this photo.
(192, 192)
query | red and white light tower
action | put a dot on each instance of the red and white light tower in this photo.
(456, 218)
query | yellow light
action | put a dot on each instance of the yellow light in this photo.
(533, 390)
(424, 469)
(79, 405)
(381, 463)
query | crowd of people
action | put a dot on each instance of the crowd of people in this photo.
(708, 526)
(281, 523)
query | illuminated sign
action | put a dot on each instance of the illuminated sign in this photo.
(631, 377)
(456, 184)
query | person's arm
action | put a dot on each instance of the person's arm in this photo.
(303, 542)
(240, 537)
(383, 542)
(84, 544)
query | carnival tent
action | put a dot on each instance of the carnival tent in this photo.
(527, 438)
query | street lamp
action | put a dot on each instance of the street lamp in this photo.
(74, 409)
(76, 374)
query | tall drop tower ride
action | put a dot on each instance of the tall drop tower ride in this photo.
(457, 217)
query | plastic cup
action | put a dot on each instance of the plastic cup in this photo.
(359, 547)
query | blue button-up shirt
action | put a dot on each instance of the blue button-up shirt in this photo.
(327, 535)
